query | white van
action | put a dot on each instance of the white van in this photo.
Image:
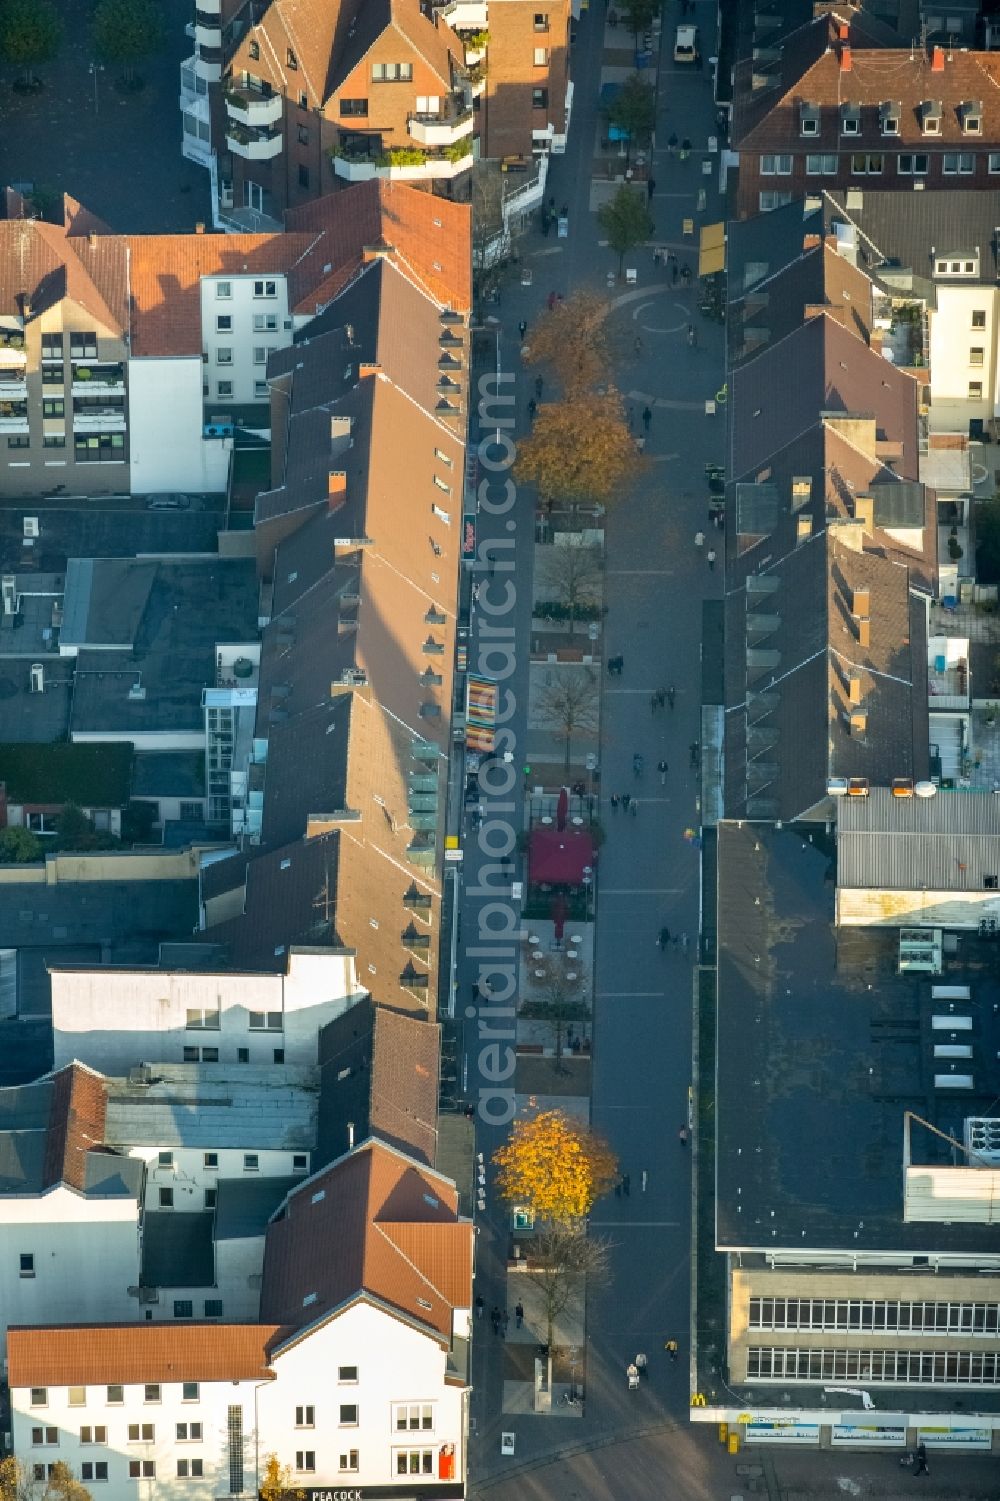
(686, 44)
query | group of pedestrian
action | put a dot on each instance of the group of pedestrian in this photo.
(710, 556)
(615, 666)
(623, 1186)
(661, 697)
(667, 939)
(626, 802)
(500, 1318)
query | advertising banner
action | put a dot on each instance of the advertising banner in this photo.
(892, 1433)
(480, 713)
(948, 1437)
(778, 1431)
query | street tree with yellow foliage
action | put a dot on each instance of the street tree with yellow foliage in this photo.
(571, 339)
(579, 450)
(555, 1166)
(277, 1482)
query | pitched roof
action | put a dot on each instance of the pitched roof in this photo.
(131, 1354)
(39, 262)
(899, 232)
(76, 1124)
(290, 898)
(819, 278)
(375, 1224)
(379, 1073)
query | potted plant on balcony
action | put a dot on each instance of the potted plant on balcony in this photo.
(402, 156)
(456, 150)
(83, 373)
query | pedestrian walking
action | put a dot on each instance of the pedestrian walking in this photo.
(920, 1468)
(647, 418)
(657, 255)
(699, 539)
(614, 802)
(711, 559)
(670, 1346)
(539, 386)
(479, 1306)
(682, 1136)
(637, 765)
(720, 519)
(692, 336)
(671, 695)
(661, 697)
(650, 189)
(551, 300)
(686, 275)
(626, 1185)
(674, 271)
(633, 807)
(519, 1315)
(637, 346)
(618, 1188)
(504, 1321)
(633, 1377)
(532, 409)
(685, 153)
(626, 800)
(522, 329)
(641, 1364)
(672, 148)
(684, 943)
(662, 768)
(654, 702)
(644, 1180)
(495, 1319)
(664, 938)
(694, 753)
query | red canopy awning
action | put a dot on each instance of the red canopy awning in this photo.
(559, 857)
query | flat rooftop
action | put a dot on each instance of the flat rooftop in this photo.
(244, 1205)
(822, 1048)
(190, 1105)
(949, 842)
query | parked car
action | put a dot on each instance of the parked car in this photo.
(686, 44)
(168, 501)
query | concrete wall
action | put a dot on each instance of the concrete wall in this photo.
(188, 1176)
(242, 340)
(952, 339)
(166, 417)
(86, 1257)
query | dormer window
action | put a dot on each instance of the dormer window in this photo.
(889, 117)
(291, 60)
(972, 117)
(809, 120)
(254, 52)
(930, 118)
(850, 119)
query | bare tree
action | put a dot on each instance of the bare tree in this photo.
(569, 700)
(560, 997)
(559, 1262)
(572, 571)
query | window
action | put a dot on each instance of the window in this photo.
(223, 290)
(116, 1396)
(195, 1468)
(54, 440)
(303, 101)
(954, 268)
(541, 22)
(83, 346)
(279, 1055)
(189, 1433)
(260, 390)
(234, 1430)
(54, 406)
(539, 98)
(213, 1308)
(540, 57)
(44, 1436)
(867, 163)
(224, 323)
(414, 1461)
(191, 1055)
(19, 440)
(772, 166)
(305, 1417)
(38, 1472)
(151, 1392)
(413, 1418)
(165, 1159)
(300, 1162)
(892, 1367)
(52, 346)
(972, 125)
(994, 161)
(166, 1198)
(190, 1392)
(443, 457)
(305, 1459)
(141, 1469)
(821, 164)
(810, 125)
(392, 72)
(223, 356)
(211, 1196)
(77, 1396)
(850, 125)
(349, 1461)
(932, 125)
(890, 125)
(251, 1162)
(963, 162)
(183, 1308)
(202, 1018)
(39, 1396)
(976, 356)
(53, 375)
(98, 1435)
(259, 358)
(979, 317)
(26, 1263)
(224, 388)
(211, 1161)
(254, 52)
(265, 323)
(302, 132)
(769, 201)
(358, 108)
(303, 175)
(975, 390)
(143, 1433)
(347, 1374)
(912, 163)
(348, 1415)
(242, 1055)
(94, 1470)
(265, 289)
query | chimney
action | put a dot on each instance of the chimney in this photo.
(336, 484)
(366, 369)
(846, 65)
(861, 602)
(92, 240)
(843, 31)
(864, 631)
(859, 723)
(854, 687)
(803, 528)
(864, 511)
(25, 306)
(809, 242)
(340, 427)
(937, 59)
(199, 228)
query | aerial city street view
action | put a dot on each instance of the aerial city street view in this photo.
(499, 750)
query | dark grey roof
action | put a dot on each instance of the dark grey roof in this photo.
(898, 503)
(950, 842)
(24, 1121)
(108, 1174)
(243, 1206)
(30, 717)
(177, 1250)
(758, 247)
(899, 231)
(165, 619)
(96, 531)
(168, 774)
(290, 899)
(822, 1045)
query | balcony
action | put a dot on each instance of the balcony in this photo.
(207, 30)
(399, 167)
(13, 387)
(354, 168)
(254, 145)
(110, 421)
(252, 107)
(207, 63)
(441, 130)
(95, 380)
(13, 417)
(12, 349)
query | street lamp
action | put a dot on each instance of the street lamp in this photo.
(94, 69)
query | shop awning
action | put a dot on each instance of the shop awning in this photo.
(712, 249)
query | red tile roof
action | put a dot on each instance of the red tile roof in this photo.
(127, 1354)
(39, 262)
(76, 1124)
(375, 1224)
